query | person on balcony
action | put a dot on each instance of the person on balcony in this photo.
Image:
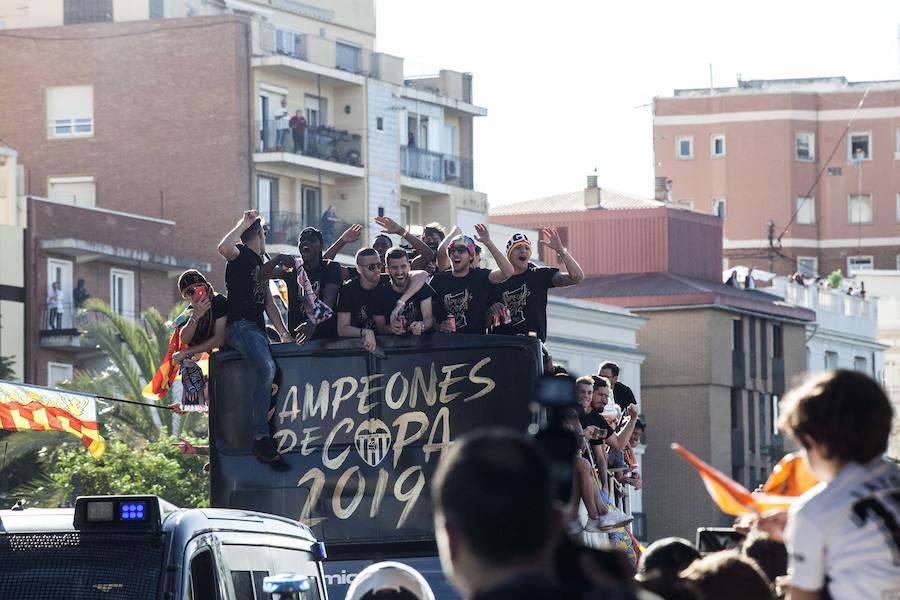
(80, 294)
(282, 126)
(55, 306)
(328, 224)
(298, 131)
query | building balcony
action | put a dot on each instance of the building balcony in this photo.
(835, 310)
(63, 328)
(285, 227)
(320, 147)
(436, 167)
(298, 51)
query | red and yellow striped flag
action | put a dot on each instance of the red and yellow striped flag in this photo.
(31, 408)
(167, 372)
(734, 499)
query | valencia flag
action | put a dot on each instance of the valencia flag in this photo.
(167, 372)
(31, 408)
(790, 479)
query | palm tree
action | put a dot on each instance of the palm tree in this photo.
(134, 350)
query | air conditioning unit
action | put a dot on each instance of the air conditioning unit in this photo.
(451, 168)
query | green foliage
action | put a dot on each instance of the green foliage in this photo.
(835, 279)
(156, 467)
(6, 367)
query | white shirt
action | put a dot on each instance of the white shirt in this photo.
(281, 120)
(844, 535)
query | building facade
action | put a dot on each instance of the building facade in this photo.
(717, 358)
(178, 114)
(816, 157)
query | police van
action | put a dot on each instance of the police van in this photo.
(142, 547)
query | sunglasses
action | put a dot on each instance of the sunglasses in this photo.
(373, 266)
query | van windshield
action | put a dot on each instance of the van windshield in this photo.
(80, 566)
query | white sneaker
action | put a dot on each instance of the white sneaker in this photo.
(574, 527)
(607, 522)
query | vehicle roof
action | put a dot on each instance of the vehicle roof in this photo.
(174, 520)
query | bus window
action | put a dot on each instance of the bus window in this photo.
(203, 577)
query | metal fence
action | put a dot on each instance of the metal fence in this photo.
(285, 227)
(435, 166)
(66, 319)
(319, 141)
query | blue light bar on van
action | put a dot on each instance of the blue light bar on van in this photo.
(117, 512)
(286, 583)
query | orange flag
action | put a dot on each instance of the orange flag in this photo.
(167, 372)
(32, 408)
(734, 499)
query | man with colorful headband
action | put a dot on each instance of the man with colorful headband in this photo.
(524, 294)
(463, 293)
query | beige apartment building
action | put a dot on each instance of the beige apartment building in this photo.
(169, 113)
(819, 157)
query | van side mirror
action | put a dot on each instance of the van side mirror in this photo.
(287, 586)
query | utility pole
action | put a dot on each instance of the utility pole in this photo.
(771, 238)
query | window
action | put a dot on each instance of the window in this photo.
(70, 111)
(806, 210)
(763, 352)
(859, 146)
(347, 57)
(311, 206)
(717, 145)
(203, 577)
(773, 413)
(411, 211)
(718, 207)
(379, 123)
(777, 342)
(689, 204)
(87, 11)
(315, 107)
(751, 426)
(859, 209)
(859, 263)
(763, 438)
(808, 266)
(752, 338)
(77, 191)
(860, 364)
(737, 335)
(156, 9)
(57, 372)
(121, 292)
(805, 146)
(831, 360)
(266, 196)
(684, 147)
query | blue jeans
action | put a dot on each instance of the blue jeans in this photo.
(282, 138)
(248, 339)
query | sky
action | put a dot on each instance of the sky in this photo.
(568, 84)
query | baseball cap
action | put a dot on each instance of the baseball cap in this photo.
(463, 241)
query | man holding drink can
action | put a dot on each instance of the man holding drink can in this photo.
(414, 317)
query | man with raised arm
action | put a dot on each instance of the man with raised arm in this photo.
(524, 294)
(463, 293)
(248, 296)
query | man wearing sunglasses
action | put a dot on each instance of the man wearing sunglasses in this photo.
(463, 292)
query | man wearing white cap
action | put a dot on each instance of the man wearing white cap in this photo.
(525, 293)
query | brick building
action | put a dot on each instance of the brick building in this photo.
(717, 358)
(796, 152)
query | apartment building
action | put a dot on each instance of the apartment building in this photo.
(12, 275)
(717, 358)
(170, 112)
(819, 157)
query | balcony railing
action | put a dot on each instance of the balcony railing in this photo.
(435, 166)
(63, 327)
(319, 141)
(285, 227)
(329, 53)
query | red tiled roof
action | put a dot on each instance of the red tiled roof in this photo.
(645, 290)
(574, 202)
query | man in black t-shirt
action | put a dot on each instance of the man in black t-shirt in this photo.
(248, 296)
(622, 394)
(355, 312)
(524, 294)
(325, 277)
(414, 316)
(464, 291)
